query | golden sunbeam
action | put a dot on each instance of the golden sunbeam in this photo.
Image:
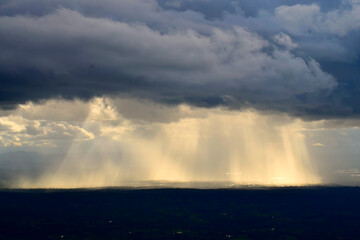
(241, 148)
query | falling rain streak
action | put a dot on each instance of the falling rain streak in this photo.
(221, 145)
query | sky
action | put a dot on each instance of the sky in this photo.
(103, 93)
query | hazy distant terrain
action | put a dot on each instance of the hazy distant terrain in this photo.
(19, 165)
(14, 165)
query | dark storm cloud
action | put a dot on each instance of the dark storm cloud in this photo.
(272, 56)
(216, 9)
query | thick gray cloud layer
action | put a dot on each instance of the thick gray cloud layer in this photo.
(274, 56)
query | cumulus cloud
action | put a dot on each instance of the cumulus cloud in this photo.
(173, 52)
(55, 110)
(67, 43)
(118, 87)
(305, 19)
(16, 130)
(285, 40)
(58, 122)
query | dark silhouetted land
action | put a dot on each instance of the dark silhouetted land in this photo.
(270, 213)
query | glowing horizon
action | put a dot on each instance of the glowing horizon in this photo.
(239, 147)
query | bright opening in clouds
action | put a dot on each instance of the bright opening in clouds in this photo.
(186, 144)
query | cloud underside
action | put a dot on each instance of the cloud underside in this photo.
(54, 124)
(167, 54)
(109, 141)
